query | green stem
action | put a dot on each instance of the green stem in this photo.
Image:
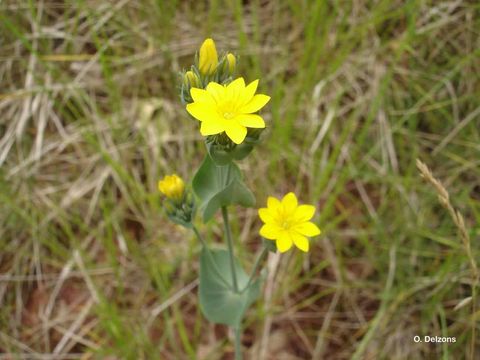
(255, 267)
(238, 343)
(230, 247)
(199, 237)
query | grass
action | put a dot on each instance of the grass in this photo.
(90, 120)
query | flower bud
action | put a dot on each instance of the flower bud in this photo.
(190, 79)
(231, 61)
(172, 186)
(208, 58)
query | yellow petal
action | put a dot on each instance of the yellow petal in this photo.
(162, 186)
(300, 241)
(270, 231)
(273, 203)
(250, 120)
(216, 90)
(265, 215)
(236, 132)
(211, 128)
(238, 84)
(235, 90)
(203, 96)
(290, 202)
(307, 229)
(284, 242)
(255, 104)
(172, 186)
(202, 111)
(304, 213)
(249, 91)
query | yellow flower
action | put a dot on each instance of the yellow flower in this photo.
(288, 223)
(228, 108)
(231, 62)
(172, 186)
(208, 60)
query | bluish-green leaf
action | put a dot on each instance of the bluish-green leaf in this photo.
(220, 185)
(219, 302)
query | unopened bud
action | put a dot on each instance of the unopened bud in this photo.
(172, 186)
(231, 62)
(191, 79)
(208, 58)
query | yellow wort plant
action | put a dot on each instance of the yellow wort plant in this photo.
(227, 111)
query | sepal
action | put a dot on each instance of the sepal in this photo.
(223, 151)
(182, 211)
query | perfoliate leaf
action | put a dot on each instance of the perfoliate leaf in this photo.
(220, 185)
(218, 301)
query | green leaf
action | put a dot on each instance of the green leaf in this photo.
(219, 302)
(220, 185)
(219, 155)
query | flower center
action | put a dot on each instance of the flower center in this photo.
(286, 222)
(228, 115)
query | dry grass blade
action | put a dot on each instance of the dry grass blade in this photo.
(457, 218)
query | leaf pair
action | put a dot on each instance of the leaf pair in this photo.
(217, 186)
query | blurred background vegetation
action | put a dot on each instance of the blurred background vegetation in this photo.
(90, 268)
